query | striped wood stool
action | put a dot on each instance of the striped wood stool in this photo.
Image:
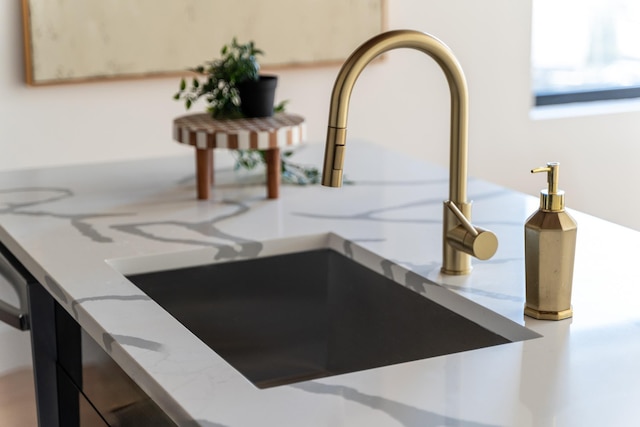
(263, 133)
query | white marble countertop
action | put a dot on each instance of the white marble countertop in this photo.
(73, 226)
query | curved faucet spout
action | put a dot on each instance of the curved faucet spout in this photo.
(357, 62)
(460, 238)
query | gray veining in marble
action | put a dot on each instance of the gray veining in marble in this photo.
(404, 183)
(204, 423)
(347, 249)
(370, 215)
(407, 415)
(244, 248)
(63, 193)
(74, 305)
(55, 289)
(418, 283)
(108, 340)
(78, 221)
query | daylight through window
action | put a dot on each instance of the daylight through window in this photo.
(585, 50)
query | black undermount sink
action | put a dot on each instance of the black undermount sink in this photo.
(292, 317)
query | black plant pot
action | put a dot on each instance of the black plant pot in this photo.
(257, 97)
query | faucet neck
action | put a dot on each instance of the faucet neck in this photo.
(433, 47)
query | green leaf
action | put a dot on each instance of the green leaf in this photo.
(280, 107)
(176, 96)
(183, 84)
(196, 83)
(187, 104)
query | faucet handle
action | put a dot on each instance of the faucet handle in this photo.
(465, 237)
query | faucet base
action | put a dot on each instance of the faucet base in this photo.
(455, 272)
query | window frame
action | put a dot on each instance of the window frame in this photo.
(543, 98)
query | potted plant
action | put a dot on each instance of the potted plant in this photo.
(234, 88)
(231, 85)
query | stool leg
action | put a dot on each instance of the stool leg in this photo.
(273, 173)
(211, 161)
(204, 172)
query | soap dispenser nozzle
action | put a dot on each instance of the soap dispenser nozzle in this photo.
(551, 199)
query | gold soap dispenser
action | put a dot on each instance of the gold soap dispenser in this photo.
(550, 243)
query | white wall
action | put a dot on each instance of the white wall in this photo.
(401, 102)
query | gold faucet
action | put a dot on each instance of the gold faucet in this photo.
(460, 238)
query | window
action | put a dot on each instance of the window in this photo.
(585, 50)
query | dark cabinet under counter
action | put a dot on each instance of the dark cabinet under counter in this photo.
(77, 383)
(14, 279)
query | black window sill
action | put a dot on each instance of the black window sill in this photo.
(543, 98)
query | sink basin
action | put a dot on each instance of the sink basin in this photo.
(283, 318)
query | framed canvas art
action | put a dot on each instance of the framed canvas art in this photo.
(79, 40)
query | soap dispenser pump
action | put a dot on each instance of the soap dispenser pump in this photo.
(550, 242)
